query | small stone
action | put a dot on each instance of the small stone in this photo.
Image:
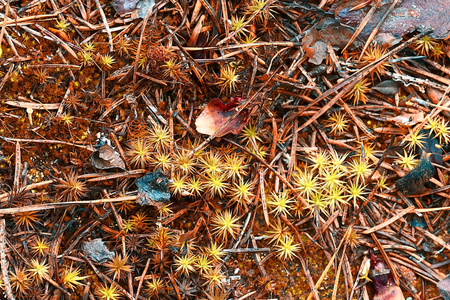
(97, 251)
(137, 8)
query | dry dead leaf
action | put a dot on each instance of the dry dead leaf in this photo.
(387, 87)
(328, 31)
(407, 119)
(107, 158)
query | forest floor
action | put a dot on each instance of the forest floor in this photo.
(215, 149)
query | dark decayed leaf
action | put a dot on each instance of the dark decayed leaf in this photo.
(383, 283)
(97, 251)
(431, 145)
(387, 87)
(153, 189)
(217, 113)
(327, 31)
(414, 182)
(106, 157)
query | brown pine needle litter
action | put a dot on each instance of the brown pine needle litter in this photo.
(221, 150)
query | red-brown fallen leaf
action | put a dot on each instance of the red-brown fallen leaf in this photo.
(217, 113)
(384, 285)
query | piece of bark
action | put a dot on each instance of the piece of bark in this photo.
(407, 16)
(444, 287)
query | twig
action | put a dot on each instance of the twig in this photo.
(390, 221)
(34, 106)
(246, 250)
(45, 206)
(302, 261)
(21, 21)
(46, 142)
(434, 238)
(410, 265)
(105, 22)
(212, 13)
(177, 292)
(247, 295)
(381, 249)
(348, 83)
(363, 24)
(151, 78)
(138, 52)
(338, 273)
(262, 191)
(358, 276)
(17, 168)
(55, 284)
(4, 23)
(375, 30)
(64, 60)
(141, 280)
(4, 262)
(236, 46)
(239, 239)
(419, 260)
(58, 40)
(79, 237)
(6, 76)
